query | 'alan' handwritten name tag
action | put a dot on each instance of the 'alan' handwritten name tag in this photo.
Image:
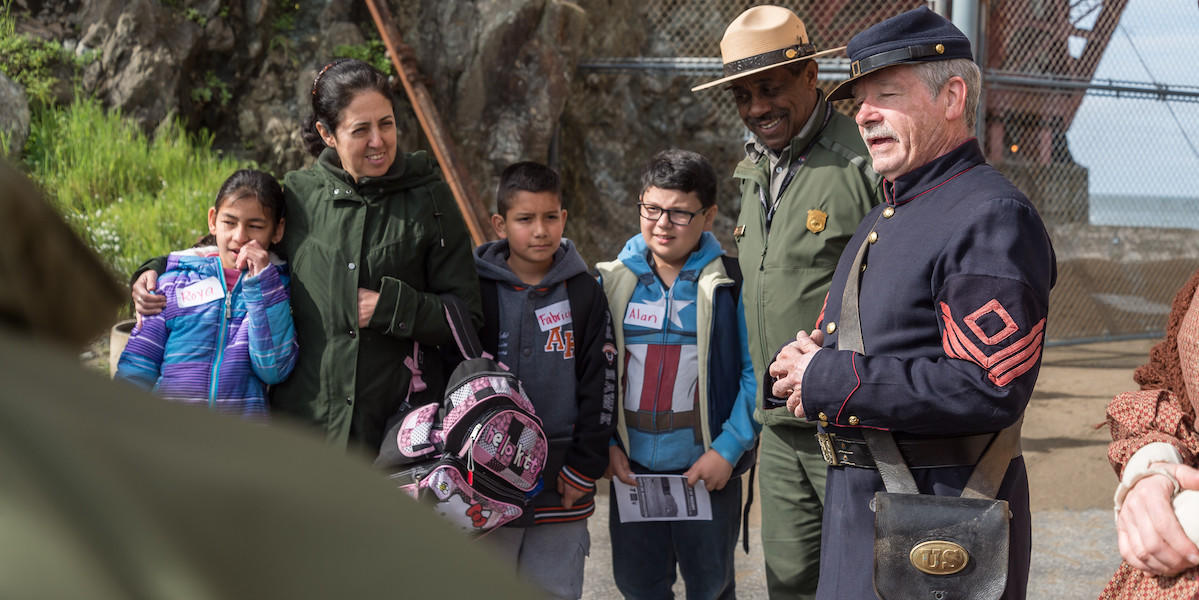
(645, 315)
(554, 315)
(200, 293)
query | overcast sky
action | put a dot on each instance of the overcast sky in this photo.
(1135, 146)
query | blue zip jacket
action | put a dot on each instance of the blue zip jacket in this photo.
(210, 345)
(668, 340)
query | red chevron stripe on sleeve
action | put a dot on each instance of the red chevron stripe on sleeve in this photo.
(1003, 366)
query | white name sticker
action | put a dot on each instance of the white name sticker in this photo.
(644, 315)
(554, 315)
(200, 293)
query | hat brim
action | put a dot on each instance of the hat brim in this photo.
(844, 90)
(704, 86)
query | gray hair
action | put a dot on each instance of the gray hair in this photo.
(934, 74)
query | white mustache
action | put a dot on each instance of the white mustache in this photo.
(878, 131)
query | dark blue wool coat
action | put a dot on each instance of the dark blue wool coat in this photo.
(953, 306)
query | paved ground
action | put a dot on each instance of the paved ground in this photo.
(1074, 540)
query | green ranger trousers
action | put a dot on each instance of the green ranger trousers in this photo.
(792, 474)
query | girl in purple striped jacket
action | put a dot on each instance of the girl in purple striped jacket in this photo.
(226, 332)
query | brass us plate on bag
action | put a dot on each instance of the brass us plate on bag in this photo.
(939, 557)
(826, 448)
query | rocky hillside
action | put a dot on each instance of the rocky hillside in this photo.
(504, 74)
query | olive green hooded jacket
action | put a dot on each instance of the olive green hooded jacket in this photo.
(399, 234)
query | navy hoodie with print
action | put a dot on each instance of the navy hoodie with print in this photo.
(566, 361)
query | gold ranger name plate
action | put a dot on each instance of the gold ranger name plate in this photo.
(939, 557)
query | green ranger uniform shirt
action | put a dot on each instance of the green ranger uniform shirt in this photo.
(789, 262)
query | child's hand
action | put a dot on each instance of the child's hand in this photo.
(252, 256)
(367, 300)
(618, 466)
(712, 468)
(570, 494)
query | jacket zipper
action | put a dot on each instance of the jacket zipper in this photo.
(226, 315)
(669, 293)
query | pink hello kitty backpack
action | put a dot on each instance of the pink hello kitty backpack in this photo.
(477, 455)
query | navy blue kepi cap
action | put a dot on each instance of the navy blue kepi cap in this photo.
(919, 35)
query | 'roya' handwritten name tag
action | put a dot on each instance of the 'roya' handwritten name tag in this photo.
(196, 294)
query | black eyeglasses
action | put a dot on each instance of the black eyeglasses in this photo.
(674, 215)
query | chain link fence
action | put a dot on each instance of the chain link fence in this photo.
(1101, 159)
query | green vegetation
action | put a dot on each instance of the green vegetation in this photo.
(32, 62)
(129, 197)
(213, 88)
(27, 61)
(373, 52)
(285, 17)
(195, 16)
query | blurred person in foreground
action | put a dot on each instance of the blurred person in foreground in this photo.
(1154, 450)
(952, 277)
(111, 493)
(805, 183)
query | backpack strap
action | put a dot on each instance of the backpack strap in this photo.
(732, 268)
(582, 302)
(464, 334)
(489, 334)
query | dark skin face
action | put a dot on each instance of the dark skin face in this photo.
(774, 104)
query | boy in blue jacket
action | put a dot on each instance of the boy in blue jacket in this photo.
(686, 381)
(546, 319)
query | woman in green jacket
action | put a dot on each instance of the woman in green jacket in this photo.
(373, 237)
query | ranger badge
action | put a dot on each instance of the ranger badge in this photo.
(816, 220)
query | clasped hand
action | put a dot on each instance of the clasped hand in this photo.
(1149, 534)
(789, 366)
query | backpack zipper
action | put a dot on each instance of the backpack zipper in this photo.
(470, 454)
(487, 486)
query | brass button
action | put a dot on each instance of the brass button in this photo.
(863, 267)
(831, 327)
(822, 417)
(873, 237)
(940, 48)
(854, 420)
(888, 212)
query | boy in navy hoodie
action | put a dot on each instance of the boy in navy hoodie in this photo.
(686, 381)
(546, 319)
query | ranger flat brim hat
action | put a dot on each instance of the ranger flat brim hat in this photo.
(918, 35)
(761, 38)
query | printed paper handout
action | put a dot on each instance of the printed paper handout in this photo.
(661, 498)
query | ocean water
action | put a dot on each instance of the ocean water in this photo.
(1145, 211)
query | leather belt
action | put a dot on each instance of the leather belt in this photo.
(845, 450)
(663, 421)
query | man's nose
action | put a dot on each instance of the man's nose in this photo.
(866, 114)
(758, 105)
